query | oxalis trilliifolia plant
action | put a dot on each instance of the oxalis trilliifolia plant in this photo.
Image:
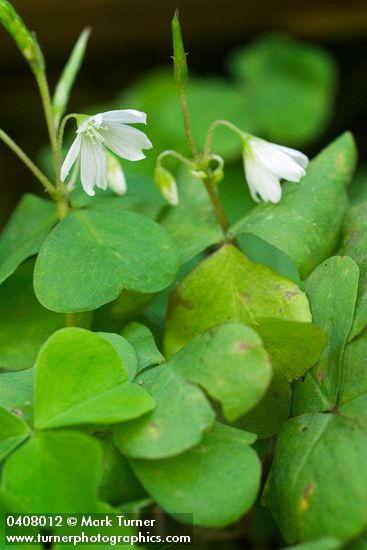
(199, 358)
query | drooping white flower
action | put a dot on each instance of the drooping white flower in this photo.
(103, 131)
(266, 163)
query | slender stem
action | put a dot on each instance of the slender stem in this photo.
(28, 162)
(174, 154)
(210, 134)
(222, 218)
(69, 319)
(49, 115)
(187, 124)
(60, 136)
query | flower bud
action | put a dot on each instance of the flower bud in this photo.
(25, 40)
(115, 175)
(217, 174)
(179, 56)
(166, 184)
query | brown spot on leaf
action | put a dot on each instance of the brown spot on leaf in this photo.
(321, 375)
(289, 294)
(16, 412)
(154, 427)
(304, 429)
(246, 298)
(242, 346)
(304, 502)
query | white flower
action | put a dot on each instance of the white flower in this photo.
(267, 163)
(105, 130)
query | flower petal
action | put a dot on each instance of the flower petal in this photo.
(124, 116)
(261, 181)
(276, 160)
(299, 157)
(126, 142)
(70, 157)
(93, 166)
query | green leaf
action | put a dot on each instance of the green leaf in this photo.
(55, 472)
(228, 287)
(25, 232)
(178, 422)
(125, 351)
(80, 379)
(355, 246)
(100, 251)
(11, 505)
(234, 192)
(293, 347)
(216, 482)
(21, 313)
(230, 363)
(142, 340)
(268, 416)
(262, 252)
(306, 224)
(119, 483)
(318, 499)
(325, 543)
(129, 305)
(16, 393)
(332, 290)
(353, 390)
(142, 196)
(289, 86)
(13, 431)
(192, 224)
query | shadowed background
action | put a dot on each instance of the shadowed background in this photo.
(131, 36)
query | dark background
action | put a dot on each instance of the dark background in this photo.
(130, 36)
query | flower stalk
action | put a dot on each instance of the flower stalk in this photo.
(29, 163)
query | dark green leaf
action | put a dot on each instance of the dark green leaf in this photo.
(332, 290)
(142, 340)
(289, 86)
(13, 431)
(192, 224)
(25, 232)
(323, 457)
(178, 422)
(22, 314)
(99, 252)
(355, 246)
(230, 363)
(216, 482)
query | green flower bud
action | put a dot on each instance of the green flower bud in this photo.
(179, 56)
(166, 184)
(25, 40)
(217, 174)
